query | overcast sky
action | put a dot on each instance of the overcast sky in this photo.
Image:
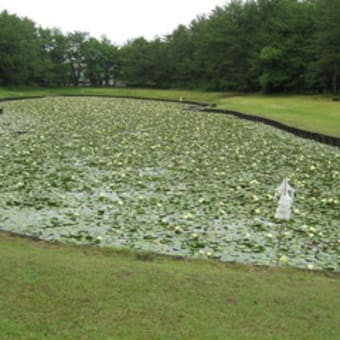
(118, 20)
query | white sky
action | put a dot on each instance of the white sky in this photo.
(118, 20)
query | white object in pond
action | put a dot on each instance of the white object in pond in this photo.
(286, 194)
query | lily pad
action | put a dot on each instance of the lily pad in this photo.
(154, 176)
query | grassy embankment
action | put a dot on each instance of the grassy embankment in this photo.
(313, 113)
(55, 291)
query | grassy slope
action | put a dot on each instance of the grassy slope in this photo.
(208, 97)
(313, 113)
(76, 293)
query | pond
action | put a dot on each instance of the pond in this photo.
(158, 177)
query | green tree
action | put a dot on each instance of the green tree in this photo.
(111, 63)
(20, 55)
(145, 63)
(54, 50)
(326, 45)
(74, 56)
(92, 59)
(274, 75)
(180, 44)
(287, 26)
(135, 62)
(227, 46)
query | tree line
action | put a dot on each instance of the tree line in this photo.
(268, 45)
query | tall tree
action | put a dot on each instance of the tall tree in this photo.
(74, 56)
(180, 44)
(228, 44)
(111, 62)
(92, 59)
(54, 50)
(287, 26)
(145, 63)
(20, 58)
(327, 43)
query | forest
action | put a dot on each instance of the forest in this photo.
(272, 46)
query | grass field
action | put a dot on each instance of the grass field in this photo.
(64, 292)
(313, 113)
(199, 96)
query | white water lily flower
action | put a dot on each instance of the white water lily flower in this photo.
(254, 182)
(178, 230)
(283, 259)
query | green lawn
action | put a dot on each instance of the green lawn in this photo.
(64, 292)
(200, 96)
(313, 113)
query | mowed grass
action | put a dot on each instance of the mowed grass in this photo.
(186, 95)
(311, 113)
(64, 292)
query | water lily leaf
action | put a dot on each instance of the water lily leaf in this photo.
(118, 172)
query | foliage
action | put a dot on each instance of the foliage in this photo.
(156, 177)
(327, 44)
(54, 49)
(145, 63)
(272, 45)
(20, 58)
